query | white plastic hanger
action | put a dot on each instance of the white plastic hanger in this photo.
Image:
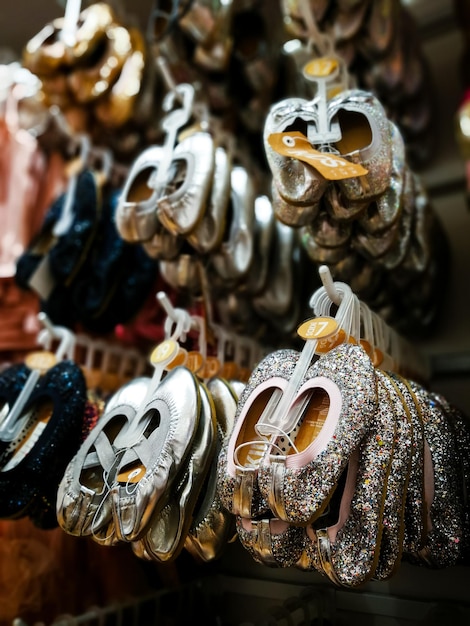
(277, 416)
(13, 423)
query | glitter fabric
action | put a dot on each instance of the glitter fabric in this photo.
(281, 364)
(37, 475)
(415, 511)
(397, 486)
(12, 381)
(355, 541)
(300, 494)
(461, 427)
(376, 155)
(443, 546)
(271, 542)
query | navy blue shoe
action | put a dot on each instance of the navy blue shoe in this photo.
(33, 470)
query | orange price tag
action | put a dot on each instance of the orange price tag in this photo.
(331, 166)
(321, 67)
(317, 328)
(41, 360)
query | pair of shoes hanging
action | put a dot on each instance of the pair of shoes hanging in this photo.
(359, 469)
(145, 474)
(39, 434)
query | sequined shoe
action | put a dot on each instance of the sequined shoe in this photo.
(333, 411)
(366, 140)
(152, 453)
(212, 526)
(415, 504)
(349, 549)
(242, 451)
(83, 498)
(444, 543)
(271, 542)
(167, 531)
(296, 182)
(393, 533)
(52, 435)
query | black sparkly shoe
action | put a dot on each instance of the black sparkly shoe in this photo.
(55, 411)
(12, 381)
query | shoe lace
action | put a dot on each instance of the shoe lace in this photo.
(259, 447)
(107, 490)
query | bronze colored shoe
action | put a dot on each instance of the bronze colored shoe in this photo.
(119, 103)
(90, 83)
(271, 542)
(49, 52)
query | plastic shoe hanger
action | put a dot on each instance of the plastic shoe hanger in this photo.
(39, 362)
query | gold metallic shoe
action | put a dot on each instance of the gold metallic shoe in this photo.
(120, 102)
(365, 140)
(89, 83)
(297, 183)
(167, 531)
(49, 51)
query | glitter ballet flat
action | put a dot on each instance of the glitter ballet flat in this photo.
(83, 497)
(393, 532)
(444, 543)
(415, 504)
(153, 451)
(39, 456)
(167, 531)
(333, 411)
(349, 549)
(242, 450)
(366, 140)
(271, 542)
(212, 526)
(297, 183)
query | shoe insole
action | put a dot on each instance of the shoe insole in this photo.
(26, 441)
(356, 133)
(134, 471)
(250, 455)
(312, 420)
(92, 477)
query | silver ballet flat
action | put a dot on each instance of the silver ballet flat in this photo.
(165, 536)
(264, 235)
(83, 497)
(136, 216)
(182, 209)
(232, 260)
(153, 452)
